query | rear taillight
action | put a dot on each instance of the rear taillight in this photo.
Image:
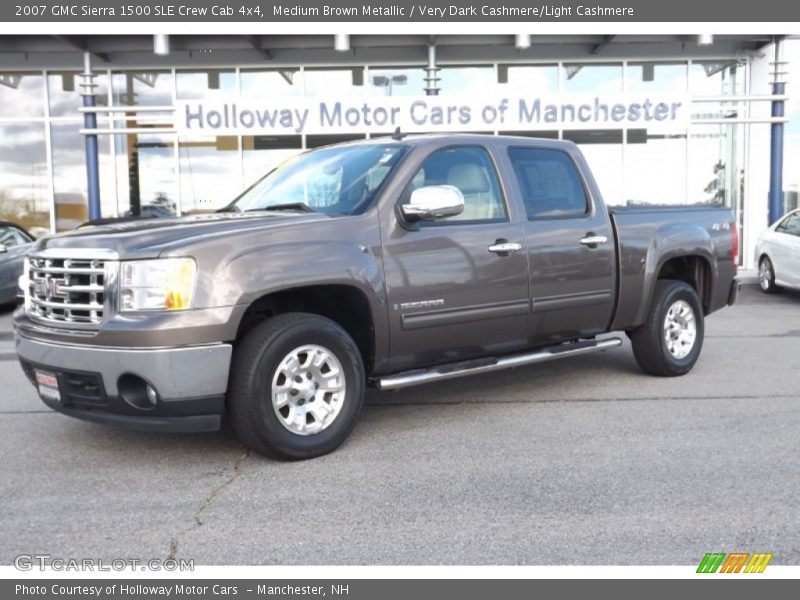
(735, 245)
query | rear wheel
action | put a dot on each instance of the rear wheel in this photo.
(297, 386)
(669, 343)
(766, 276)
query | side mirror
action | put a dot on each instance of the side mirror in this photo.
(3, 249)
(433, 202)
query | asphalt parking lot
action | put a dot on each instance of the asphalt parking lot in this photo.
(584, 461)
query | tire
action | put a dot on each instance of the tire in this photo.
(651, 348)
(766, 276)
(275, 360)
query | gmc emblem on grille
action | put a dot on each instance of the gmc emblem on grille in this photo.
(51, 288)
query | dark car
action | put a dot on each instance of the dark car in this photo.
(14, 244)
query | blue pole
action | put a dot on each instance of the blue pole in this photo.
(776, 157)
(92, 160)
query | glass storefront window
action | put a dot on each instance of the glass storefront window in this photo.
(21, 94)
(396, 82)
(64, 90)
(270, 83)
(146, 183)
(206, 84)
(210, 172)
(24, 188)
(715, 166)
(716, 78)
(69, 176)
(339, 82)
(142, 88)
(261, 154)
(603, 151)
(655, 168)
(536, 79)
(656, 77)
(458, 80)
(588, 78)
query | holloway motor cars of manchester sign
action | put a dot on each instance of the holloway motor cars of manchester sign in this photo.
(292, 116)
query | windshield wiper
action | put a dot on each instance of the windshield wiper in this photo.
(229, 208)
(301, 206)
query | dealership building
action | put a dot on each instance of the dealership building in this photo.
(186, 122)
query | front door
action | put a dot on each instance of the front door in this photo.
(453, 293)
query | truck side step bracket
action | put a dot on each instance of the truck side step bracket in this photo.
(461, 369)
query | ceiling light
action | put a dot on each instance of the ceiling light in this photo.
(522, 41)
(161, 44)
(705, 39)
(341, 42)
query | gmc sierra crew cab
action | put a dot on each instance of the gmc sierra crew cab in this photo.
(386, 263)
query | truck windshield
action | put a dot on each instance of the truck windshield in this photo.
(338, 180)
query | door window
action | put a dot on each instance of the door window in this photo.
(791, 225)
(470, 169)
(11, 236)
(549, 182)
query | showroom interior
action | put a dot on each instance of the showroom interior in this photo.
(147, 167)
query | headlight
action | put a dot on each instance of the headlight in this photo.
(160, 284)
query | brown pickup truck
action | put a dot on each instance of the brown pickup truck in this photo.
(387, 262)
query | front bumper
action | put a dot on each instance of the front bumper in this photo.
(190, 382)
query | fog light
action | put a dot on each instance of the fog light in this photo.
(152, 396)
(137, 392)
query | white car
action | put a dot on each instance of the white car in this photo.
(778, 254)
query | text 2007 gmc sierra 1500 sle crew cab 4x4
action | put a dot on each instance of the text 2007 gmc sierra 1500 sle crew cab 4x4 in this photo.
(386, 262)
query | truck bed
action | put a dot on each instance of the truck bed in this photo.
(649, 236)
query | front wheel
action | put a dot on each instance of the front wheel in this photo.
(669, 343)
(766, 276)
(297, 386)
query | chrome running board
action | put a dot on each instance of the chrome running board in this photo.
(486, 365)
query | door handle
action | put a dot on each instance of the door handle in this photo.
(594, 240)
(504, 248)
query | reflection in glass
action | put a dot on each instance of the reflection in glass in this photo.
(262, 153)
(396, 82)
(591, 78)
(655, 168)
(263, 83)
(535, 79)
(339, 82)
(150, 88)
(467, 79)
(69, 177)
(717, 78)
(656, 77)
(149, 163)
(715, 163)
(64, 90)
(24, 188)
(207, 84)
(603, 151)
(209, 171)
(341, 180)
(21, 94)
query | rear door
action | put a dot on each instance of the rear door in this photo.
(570, 243)
(452, 294)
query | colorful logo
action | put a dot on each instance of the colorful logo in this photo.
(735, 562)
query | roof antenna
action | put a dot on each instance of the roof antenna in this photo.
(398, 135)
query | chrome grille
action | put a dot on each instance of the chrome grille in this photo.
(66, 290)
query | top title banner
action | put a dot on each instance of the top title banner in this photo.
(441, 11)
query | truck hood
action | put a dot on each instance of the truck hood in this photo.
(150, 237)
